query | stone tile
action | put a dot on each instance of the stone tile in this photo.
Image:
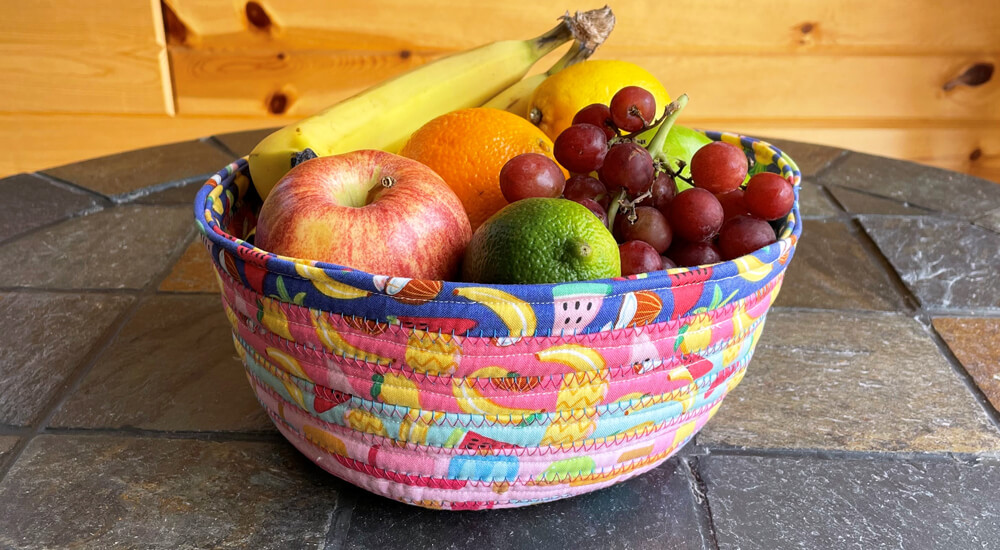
(655, 510)
(173, 367)
(975, 342)
(193, 272)
(932, 188)
(44, 338)
(7, 443)
(120, 175)
(813, 202)
(859, 202)
(111, 492)
(946, 264)
(123, 247)
(242, 143)
(851, 381)
(989, 220)
(810, 158)
(808, 503)
(832, 270)
(30, 201)
(177, 194)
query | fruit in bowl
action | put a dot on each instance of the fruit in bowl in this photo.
(368, 210)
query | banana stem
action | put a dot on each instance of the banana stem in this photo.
(672, 111)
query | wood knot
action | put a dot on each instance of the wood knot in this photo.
(278, 103)
(257, 16)
(976, 74)
(405, 54)
(975, 154)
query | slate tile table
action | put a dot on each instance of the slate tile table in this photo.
(867, 419)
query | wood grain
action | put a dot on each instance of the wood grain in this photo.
(679, 26)
(724, 86)
(74, 57)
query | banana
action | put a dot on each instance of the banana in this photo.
(517, 314)
(384, 116)
(325, 284)
(591, 30)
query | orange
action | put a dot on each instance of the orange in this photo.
(468, 147)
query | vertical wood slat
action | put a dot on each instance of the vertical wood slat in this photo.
(99, 56)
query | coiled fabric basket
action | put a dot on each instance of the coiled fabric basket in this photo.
(463, 396)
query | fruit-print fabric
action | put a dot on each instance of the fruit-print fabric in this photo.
(464, 396)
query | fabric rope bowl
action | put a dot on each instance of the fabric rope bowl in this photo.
(464, 396)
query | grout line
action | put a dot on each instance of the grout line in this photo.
(963, 374)
(217, 143)
(340, 520)
(706, 524)
(144, 433)
(55, 180)
(843, 454)
(86, 364)
(79, 214)
(910, 301)
(45, 290)
(830, 164)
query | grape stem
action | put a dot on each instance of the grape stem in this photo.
(616, 202)
(670, 114)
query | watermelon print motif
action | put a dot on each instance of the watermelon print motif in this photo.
(458, 396)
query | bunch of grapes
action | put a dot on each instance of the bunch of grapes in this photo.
(723, 216)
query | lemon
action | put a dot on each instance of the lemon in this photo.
(558, 98)
(541, 240)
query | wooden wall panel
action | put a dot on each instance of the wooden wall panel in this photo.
(677, 26)
(99, 56)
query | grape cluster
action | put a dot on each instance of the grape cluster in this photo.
(723, 215)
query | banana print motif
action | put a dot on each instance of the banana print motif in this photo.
(517, 314)
(328, 286)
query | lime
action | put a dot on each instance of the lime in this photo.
(541, 240)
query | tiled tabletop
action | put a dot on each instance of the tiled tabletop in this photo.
(868, 417)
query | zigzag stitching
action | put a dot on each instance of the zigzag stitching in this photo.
(300, 315)
(522, 484)
(563, 415)
(586, 445)
(549, 382)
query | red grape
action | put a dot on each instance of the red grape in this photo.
(596, 208)
(744, 234)
(667, 262)
(695, 215)
(632, 108)
(582, 186)
(719, 167)
(692, 254)
(581, 148)
(531, 175)
(769, 196)
(627, 165)
(650, 227)
(732, 203)
(638, 257)
(664, 189)
(599, 115)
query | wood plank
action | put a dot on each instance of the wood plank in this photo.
(72, 57)
(679, 26)
(721, 86)
(298, 83)
(44, 141)
(970, 150)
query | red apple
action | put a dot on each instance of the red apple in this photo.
(369, 210)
